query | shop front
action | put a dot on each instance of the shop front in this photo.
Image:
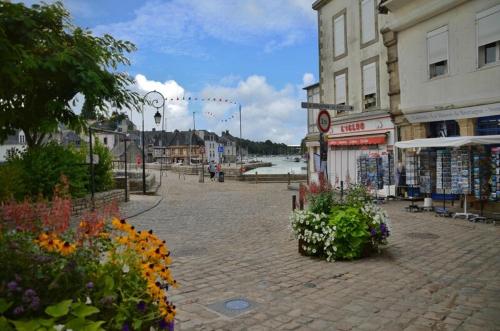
(360, 151)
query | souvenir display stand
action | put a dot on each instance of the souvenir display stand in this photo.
(462, 167)
(412, 165)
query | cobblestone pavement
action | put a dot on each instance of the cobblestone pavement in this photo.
(231, 240)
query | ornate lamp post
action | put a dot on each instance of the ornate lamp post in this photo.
(157, 100)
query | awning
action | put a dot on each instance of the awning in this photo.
(450, 141)
(379, 139)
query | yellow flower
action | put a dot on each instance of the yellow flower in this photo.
(67, 248)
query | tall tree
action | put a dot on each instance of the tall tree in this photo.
(45, 61)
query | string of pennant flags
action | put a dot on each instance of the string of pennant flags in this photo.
(212, 115)
(207, 113)
(202, 99)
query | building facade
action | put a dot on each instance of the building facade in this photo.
(14, 143)
(185, 147)
(212, 145)
(353, 71)
(449, 52)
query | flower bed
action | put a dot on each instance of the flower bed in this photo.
(339, 228)
(99, 276)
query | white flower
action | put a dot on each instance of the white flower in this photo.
(126, 268)
(88, 301)
(59, 327)
(314, 250)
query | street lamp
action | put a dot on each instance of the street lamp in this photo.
(157, 100)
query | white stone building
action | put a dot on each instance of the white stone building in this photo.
(447, 54)
(13, 142)
(353, 71)
(211, 145)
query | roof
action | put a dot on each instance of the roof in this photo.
(311, 86)
(157, 138)
(318, 4)
(12, 139)
(183, 138)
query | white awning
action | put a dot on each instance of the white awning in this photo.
(450, 142)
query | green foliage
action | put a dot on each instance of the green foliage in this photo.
(46, 61)
(41, 168)
(357, 195)
(263, 147)
(11, 182)
(321, 202)
(351, 232)
(103, 171)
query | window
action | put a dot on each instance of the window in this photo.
(437, 51)
(105, 140)
(370, 85)
(341, 89)
(488, 36)
(368, 21)
(339, 35)
(22, 138)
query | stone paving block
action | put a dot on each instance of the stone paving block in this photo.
(239, 244)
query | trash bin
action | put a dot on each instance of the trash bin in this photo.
(221, 177)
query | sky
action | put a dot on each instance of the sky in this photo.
(257, 53)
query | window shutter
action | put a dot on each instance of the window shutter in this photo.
(437, 45)
(340, 89)
(339, 35)
(368, 21)
(488, 26)
(369, 79)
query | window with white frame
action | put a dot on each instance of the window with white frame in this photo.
(437, 51)
(370, 85)
(339, 35)
(22, 138)
(340, 90)
(488, 36)
(368, 17)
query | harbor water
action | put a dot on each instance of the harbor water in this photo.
(281, 165)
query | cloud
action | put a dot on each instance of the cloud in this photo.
(176, 112)
(308, 79)
(267, 112)
(180, 27)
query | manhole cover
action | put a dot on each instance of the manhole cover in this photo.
(232, 307)
(422, 235)
(237, 304)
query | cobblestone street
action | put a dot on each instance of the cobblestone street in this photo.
(232, 240)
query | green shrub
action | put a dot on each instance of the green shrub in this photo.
(103, 171)
(11, 182)
(321, 202)
(40, 170)
(351, 232)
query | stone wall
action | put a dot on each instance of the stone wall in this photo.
(81, 205)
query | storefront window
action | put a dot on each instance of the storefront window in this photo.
(443, 129)
(488, 125)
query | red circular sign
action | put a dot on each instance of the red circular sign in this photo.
(324, 121)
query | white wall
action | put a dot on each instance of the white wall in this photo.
(355, 55)
(5, 148)
(465, 84)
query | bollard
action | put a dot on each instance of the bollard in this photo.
(288, 178)
(256, 177)
(294, 202)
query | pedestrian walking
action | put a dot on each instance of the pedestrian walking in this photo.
(218, 169)
(211, 170)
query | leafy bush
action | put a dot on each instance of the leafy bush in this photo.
(91, 278)
(321, 202)
(103, 171)
(11, 182)
(40, 169)
(351, 232)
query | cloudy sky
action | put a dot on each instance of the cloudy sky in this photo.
(259, 53)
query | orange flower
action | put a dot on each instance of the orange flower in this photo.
(67, 248)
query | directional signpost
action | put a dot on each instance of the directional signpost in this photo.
(331, 106)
